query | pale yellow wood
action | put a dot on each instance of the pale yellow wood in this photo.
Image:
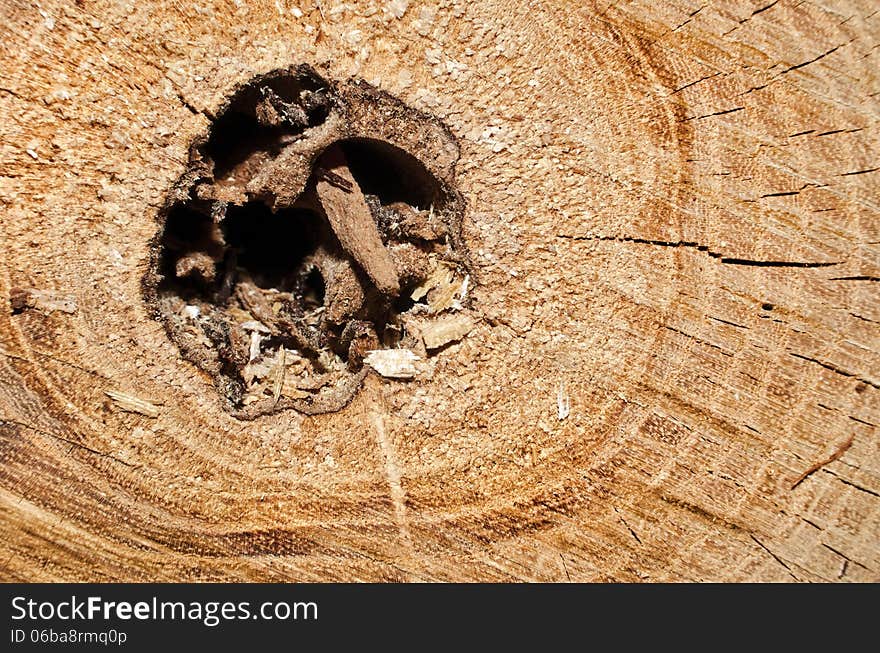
(674, 214)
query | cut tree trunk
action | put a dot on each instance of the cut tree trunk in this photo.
(673, 214)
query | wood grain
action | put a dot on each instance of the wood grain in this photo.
(674, 214)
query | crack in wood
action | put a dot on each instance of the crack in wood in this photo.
(61, 438)
(628, 527)
(861, 277)
(846, 558)
(689, 244)
(699, 340)
(837, 370)
(716, 113)
(775, 557)
(851, 484)
(860, 172)
(813, 60)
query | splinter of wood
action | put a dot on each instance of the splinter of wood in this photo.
(352, 222)
(842, 449)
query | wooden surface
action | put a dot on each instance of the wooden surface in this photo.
(674, 215)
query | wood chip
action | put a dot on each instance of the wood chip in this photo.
(253, 325)
(132, 404)
(393, 363)
(442, 275)
(41, 300)
(254, 349)
(446, 329)
(563, 402)
(445, 288)
(443, 297)
(280, 366)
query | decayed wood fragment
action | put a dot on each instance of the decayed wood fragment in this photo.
(345, 294)
(198, 262)
(352, 222)
(254, 301)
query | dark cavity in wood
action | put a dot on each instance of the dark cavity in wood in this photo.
(291, 245)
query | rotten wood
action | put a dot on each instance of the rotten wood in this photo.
(352, 222)
(254, 300)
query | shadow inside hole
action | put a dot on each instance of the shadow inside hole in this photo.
(238, 134)
(405, 302)
(189, 231)
(390, 173)
(271, 247)
(313, 290)
(236, 137)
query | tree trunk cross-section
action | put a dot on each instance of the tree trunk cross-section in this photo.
(674, 220)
